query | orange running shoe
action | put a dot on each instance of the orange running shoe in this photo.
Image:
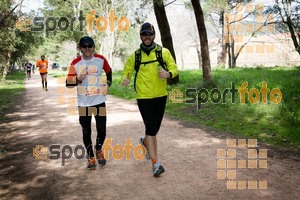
(100, 158)
(91, 163)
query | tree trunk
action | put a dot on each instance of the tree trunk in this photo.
(229, 54)
(182, 58)
(164, 28)
(234, 57)
(6, 66)
(293, 34)
(199, 57)
(163, 25)
(203, 42)
(221, 42)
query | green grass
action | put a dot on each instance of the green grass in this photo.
(277, 124)
(13, 85)
(57, 73)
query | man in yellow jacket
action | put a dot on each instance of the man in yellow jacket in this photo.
(150, 84)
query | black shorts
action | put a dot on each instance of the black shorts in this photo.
(43, 73)
(152, 111)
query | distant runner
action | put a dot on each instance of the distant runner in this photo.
(43, 68)
(28, 67)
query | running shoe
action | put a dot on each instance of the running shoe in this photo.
(91, 163)
(147, 155)
(100, 158)
(158, 169)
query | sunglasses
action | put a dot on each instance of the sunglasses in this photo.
(147, 34)
(87, 46)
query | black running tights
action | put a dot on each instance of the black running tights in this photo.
(85, 121)
(152, 111)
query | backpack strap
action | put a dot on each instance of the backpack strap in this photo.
(159, 57)
(137, 63)
(138, 56)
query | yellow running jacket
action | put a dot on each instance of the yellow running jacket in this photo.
(148, 83)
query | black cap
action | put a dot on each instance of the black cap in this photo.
(86, 39)
(147, 28)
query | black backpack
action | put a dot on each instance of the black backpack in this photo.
(159, 58)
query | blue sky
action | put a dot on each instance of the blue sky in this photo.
(29, 5)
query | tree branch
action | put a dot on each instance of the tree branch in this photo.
(170, 3)
(5, 17)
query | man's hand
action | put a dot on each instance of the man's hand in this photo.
(81, 76)
(126, 82)
(163, 74)
(72, 70)
(71, 77)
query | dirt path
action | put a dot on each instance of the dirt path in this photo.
(189, 155)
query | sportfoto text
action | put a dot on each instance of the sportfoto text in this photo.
(216, 96)
(65, 152)
(50, 24)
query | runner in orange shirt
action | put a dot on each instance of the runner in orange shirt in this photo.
(43, 68)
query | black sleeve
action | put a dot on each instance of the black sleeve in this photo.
(109, 77)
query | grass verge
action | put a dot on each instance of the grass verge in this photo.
(13, 85)
(57, 73)
(276, 124)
